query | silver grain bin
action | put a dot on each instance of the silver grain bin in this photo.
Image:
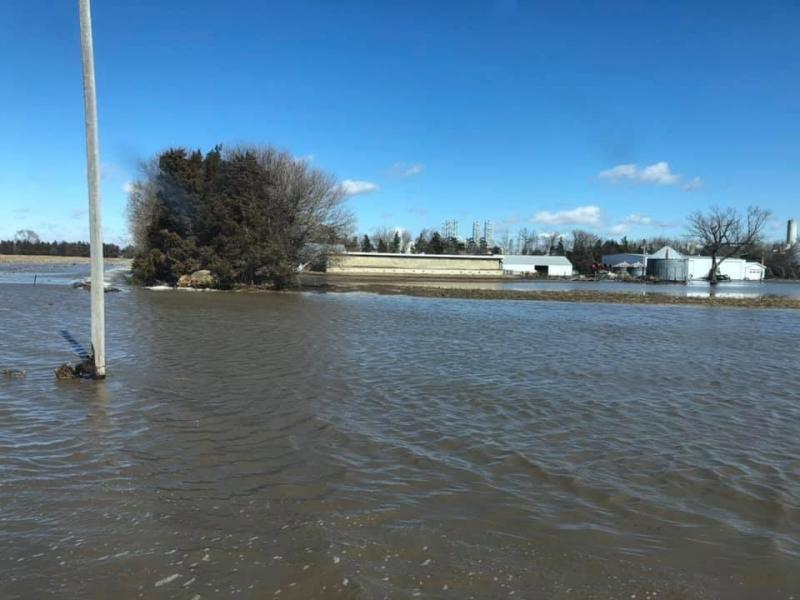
(667, 269)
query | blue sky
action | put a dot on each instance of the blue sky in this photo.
(620, 118)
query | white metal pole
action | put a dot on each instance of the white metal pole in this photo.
(93, 176)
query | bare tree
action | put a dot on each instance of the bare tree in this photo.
(682, 245)
(724, 233)
(551, 241)
(382, 237)
(405, 241)
(527, 241)
(582, 239)
(583, 250)
(26, 236)
(142, 203)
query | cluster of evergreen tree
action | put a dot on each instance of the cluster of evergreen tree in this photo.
(433, 242)
(394, 245)
(37, 248)
(248, 215)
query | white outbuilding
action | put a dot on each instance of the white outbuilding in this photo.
(683, 267)
(737, 269)
(545, 266)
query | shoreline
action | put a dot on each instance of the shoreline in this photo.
(577, 296)
(438, 288)
(34, 259)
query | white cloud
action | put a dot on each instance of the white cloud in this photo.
(352, 187)
(128, 187)
(414, 169)
(625, 225)
(695, 184)
(658, 173)
(582, 215)
(620, 172)
(401, 169)
(619, 229)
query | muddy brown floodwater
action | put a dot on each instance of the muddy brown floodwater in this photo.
(367, 446)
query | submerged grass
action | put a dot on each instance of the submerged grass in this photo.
(586, 296)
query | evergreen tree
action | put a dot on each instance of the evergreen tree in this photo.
(395, 246)
(421, 244)
(436, 245)
(250, 215)
(382, 246)
(366, 244)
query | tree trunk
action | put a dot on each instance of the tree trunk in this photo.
(712, 274)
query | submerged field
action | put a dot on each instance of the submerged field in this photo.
(746, 296)
(367, 446)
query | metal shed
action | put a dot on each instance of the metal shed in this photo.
(550, 266)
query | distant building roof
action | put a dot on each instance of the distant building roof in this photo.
(632, 257)
(666, 252)
(423, 255)
(316, 247)
(532, 259)
(749, 264)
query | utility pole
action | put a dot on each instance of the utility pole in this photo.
(93, 177)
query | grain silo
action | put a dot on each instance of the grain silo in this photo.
(667, 269)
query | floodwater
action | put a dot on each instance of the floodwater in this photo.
(698, 289)
(364, 446)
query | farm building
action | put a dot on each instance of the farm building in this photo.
(670, 265)
(550, 266)
(738, 269)
(632, 258)
(375, 263)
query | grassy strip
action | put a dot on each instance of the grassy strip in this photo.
(566, 296)
(34, 259)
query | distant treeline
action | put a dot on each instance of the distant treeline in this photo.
(38, 248)
(427, 242)
(584, 249)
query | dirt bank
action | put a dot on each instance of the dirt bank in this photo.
(426, 291)
(32, 259)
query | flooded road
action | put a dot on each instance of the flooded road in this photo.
(363, 446)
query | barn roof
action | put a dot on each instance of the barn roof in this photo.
(519, 259)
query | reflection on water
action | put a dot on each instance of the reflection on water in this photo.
(361, 446)
(699, 289)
